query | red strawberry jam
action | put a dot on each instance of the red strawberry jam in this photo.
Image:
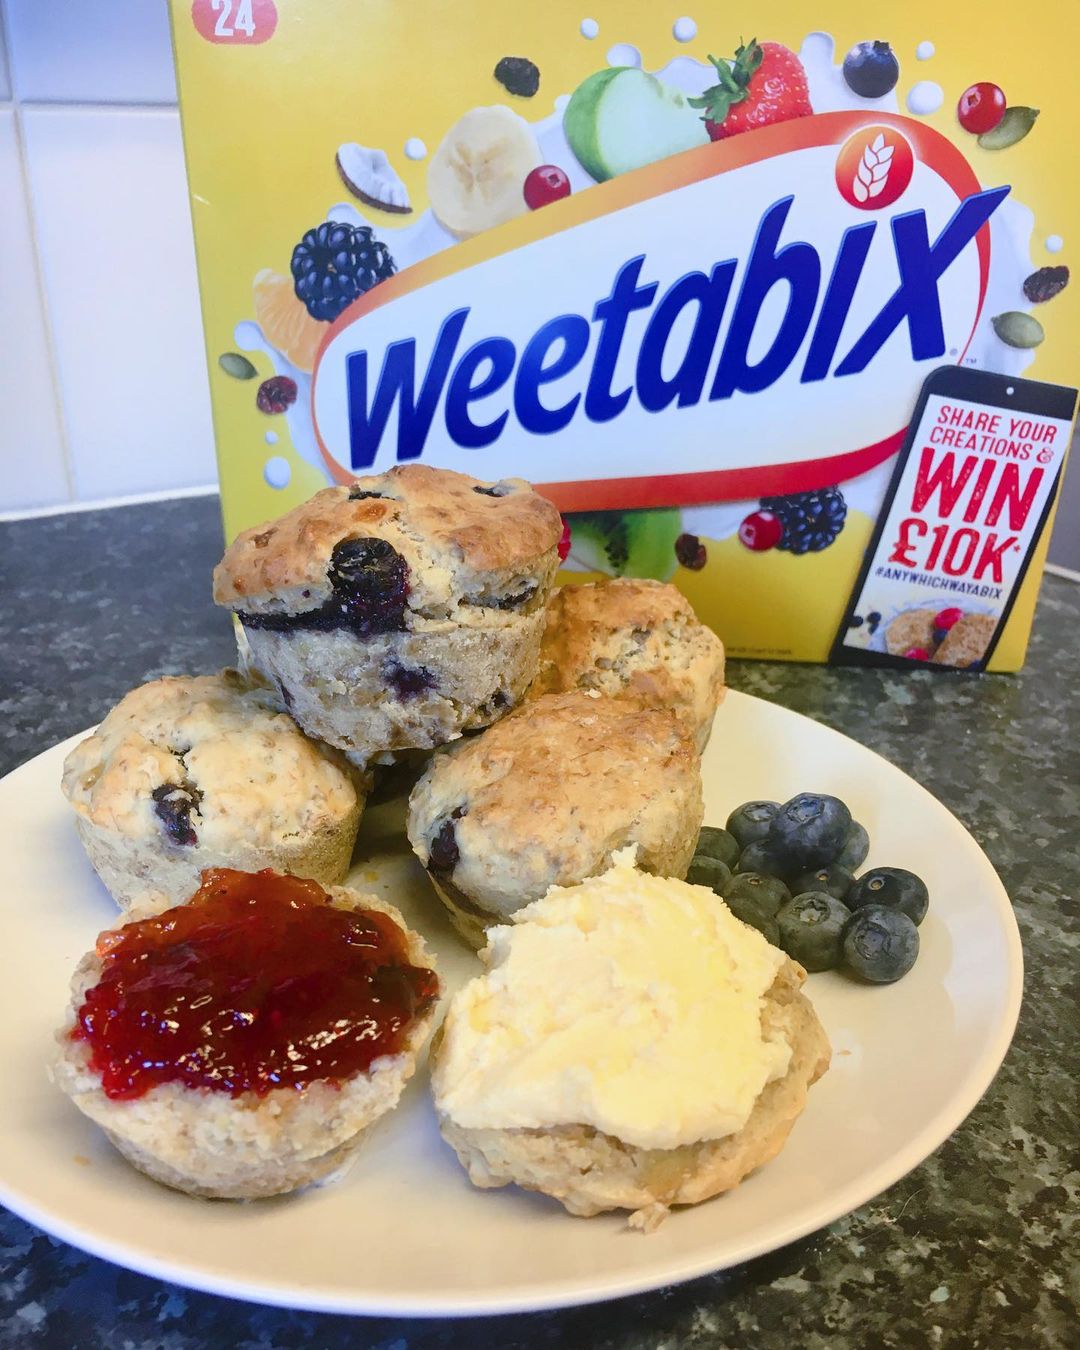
(258, 982)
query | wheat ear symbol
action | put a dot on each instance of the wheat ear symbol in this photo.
(873, 171)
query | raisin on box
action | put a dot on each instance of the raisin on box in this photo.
(689, 285)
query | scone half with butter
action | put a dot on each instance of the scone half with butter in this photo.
(631, 1045)
(190, 772)
(546, 796)
(633, 638)
(238, 1045)
(397, 613)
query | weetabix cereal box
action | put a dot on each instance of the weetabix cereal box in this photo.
(773, 302)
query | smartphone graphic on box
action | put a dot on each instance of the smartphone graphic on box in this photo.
(972, 491)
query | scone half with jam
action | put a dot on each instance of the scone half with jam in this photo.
(546, 796)
(631, 1045)
(190, 772)
(399, 612)
(633, 638)
(238, 1045)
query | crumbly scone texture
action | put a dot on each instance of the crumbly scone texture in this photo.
(241, 1148)
(633, 638)
(967, 640)
(375, 697)
(590, 1172)
(547, 795)
(259, 793)
(467, 543)
(912, 628)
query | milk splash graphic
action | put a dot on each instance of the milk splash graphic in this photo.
(1011, 228)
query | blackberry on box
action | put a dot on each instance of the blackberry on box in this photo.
(335, 263)
(811, 521)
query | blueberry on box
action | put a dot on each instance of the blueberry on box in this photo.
(809, 830)
(768, 893)
(750, 822)
(856, 847)
(716, 843)
(880, 944)
(812, 930)
(891, 888)
(705, 871)
(871, 69)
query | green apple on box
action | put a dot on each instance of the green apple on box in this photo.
(623, 118)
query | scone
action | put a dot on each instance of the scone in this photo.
(967, 640)
(399, 612)
(237, 1046)
(202, 771)
(546, 796)
(635, 638)
(631, 1045)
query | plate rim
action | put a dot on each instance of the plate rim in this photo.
(585, 1289)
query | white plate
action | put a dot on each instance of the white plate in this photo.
(404, 1232)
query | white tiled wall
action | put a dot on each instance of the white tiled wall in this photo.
(102, 374)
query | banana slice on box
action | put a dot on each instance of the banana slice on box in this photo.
(477, 175)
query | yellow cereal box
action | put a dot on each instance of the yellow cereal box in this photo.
(773, 303)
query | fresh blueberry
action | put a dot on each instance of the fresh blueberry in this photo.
(716, 843)
(751, 821)
(706, 871)
(812, 930)
(768, 893)
(880, 944)
(809, 830)
(759, 857)
(856, 847)
(871, 69)
(891, 888)
(833, 879)
(747, 909)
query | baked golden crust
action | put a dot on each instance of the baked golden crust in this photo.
(436, 519)
(633, 638)
(552, 790)
(589, 1172)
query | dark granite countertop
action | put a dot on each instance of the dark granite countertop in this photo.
(977, 1247)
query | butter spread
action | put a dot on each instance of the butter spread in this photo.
(629, 1002)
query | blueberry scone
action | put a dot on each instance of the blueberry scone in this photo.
(399, 612)
(202, 771)
(546, 796)
(635, 638)
(238, 1045)
(631, 1045)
